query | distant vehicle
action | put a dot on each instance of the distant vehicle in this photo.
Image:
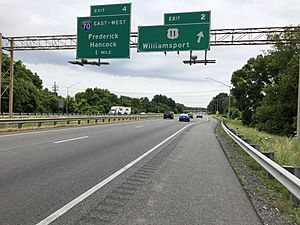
(119, 110)
(184, 118)
(169, 115)
(127, 110)
(191, 115)
(143, 113)
(199, 114)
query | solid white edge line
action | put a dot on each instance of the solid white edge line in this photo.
(72, 139)
(86, 194)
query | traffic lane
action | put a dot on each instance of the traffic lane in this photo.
(54, 174)
(194, 185)
(15, 141)
(15, 160)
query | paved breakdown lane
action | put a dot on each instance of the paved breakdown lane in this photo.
(185, 180)
(195, 185)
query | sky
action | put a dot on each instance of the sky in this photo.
(144, 74)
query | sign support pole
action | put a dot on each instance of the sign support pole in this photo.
(298, 113)
(11, 79)
(0, 72)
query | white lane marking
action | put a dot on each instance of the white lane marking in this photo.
(139, 126)
(72, 139)
(86, 194)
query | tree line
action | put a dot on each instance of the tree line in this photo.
(265, 89)
(31, 97)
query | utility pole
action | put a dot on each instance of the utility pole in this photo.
(11, 79)
(229, 94)
(67, 108)
(55, 88)
(0, 72)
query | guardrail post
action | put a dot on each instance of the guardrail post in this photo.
(55, 123)
(256, 146)
(39, 124)
(96, 120)
(20, 125)
(88, 121)
(78, 122)
(240, 136)
(246, 140)
(295, 171)
(270, 155)
(68, 122)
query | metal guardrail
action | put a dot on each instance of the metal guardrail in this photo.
(291, 182)
(39, 121)
(5, 114)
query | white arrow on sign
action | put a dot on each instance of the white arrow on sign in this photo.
(200, 35)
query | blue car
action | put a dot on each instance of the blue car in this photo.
(184, 118)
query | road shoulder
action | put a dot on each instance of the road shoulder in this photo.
(193, 185)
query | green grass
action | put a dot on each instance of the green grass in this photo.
(287, 150)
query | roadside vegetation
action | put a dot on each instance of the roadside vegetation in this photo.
(286, 149)
(265, 90)
(264, 99)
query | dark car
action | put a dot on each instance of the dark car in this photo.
(169, 115)
(191, 115)
(184, 118)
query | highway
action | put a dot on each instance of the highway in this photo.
(146, 172)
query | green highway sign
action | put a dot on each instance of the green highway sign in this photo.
(187, 17)
(180, 37)
(116, 9)
(100, 37)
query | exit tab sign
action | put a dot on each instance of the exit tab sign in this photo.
(116, 9)
(187, 17)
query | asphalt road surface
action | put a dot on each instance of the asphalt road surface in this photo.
(151, 172)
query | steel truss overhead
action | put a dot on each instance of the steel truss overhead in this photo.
(218, 37)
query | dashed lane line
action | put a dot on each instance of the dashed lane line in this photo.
(71, 139)
(86, 194)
